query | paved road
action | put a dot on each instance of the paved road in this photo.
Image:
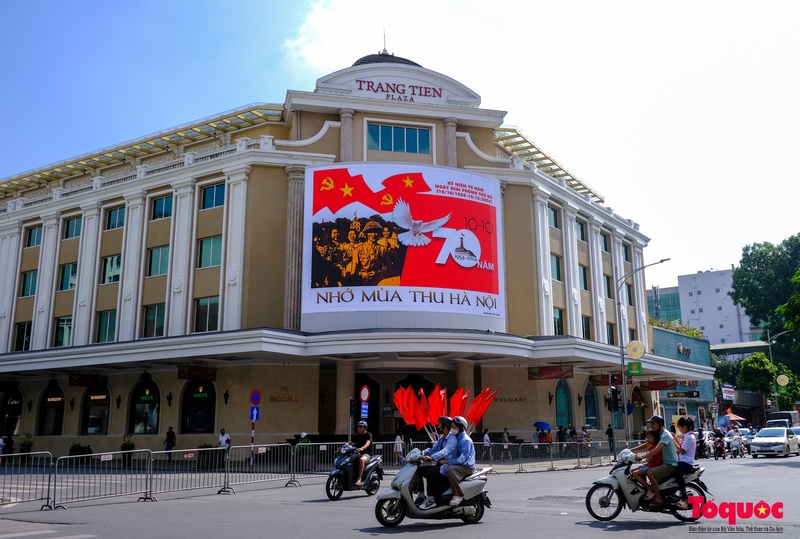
(524, 505)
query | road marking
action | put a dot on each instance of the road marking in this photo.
(26, 534)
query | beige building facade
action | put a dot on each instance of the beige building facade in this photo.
(159, 282)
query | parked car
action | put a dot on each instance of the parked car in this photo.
(775, 441)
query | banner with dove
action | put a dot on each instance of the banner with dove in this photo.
(402, 237)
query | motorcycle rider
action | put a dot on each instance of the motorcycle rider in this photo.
(669, 459)
(439, 453)
(685, 459)
(461, 464)
(362, 440)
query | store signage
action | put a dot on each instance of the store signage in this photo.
(550, 372)
(727, 392)
(683, 394)
(397, 91)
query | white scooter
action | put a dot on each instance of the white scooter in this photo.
(397, 502)
(609, 495)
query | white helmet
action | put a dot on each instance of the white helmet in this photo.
(461, 422)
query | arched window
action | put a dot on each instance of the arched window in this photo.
(563, 406)
(10, 413)
(144, 408)
(51, 411)
(590, 405)
(94, 412)
(198, 407)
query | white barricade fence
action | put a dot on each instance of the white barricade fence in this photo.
(102, 475)
(25, 477)
(595, 454)
(188, 469)
(535, 457)
(316, 462)
(262, 463)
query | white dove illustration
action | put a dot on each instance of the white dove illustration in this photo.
(415, 236)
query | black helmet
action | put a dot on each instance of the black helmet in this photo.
(656, 419)
(446, 420)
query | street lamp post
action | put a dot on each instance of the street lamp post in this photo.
(620, 283)
(771, 340)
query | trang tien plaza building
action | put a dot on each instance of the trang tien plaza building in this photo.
(381, 229)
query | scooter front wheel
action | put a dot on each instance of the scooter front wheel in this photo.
(390, 512)
(603, 502)
(334, 487)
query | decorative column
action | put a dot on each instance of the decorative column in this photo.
(619, 271)
(542, 247)
(465, 376)
(178, 293)
(43, 306)
(345, 386)
(10, 241)
(571, 279)
(86, 282)
(450, 157)
(296, 175)
(132, 246)
(599, 314)
(640, 294)
(346, 135)
(231, 302)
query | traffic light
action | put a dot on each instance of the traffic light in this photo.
(614, 402)
(353, 408)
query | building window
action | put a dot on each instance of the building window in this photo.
(692, 311)
(607, 289)
(72, 228)
(703, 328)
(555, 267)
(631, 335)
(722, 326)
(629, 293)
(590, 405)
(558, 321)
(23, 340)
(111, 269)
(716, 290)
(610, 333)
(722, 341)
(34, 236)
(115, 218)
(213, 196)
(700, 310)
(392, 138)
(153, 320)
(69, 276)
(158, 261)
(106, 326)
(63, 335)
(626, 253)
(691, 294)
(162, 208)
(145, 407)
(699, 292)
(552, 217)
(586, 323)
(206, 314)
(605, 242)
(580, 230)
(583, 275)
(210, 252)
(51, 411)
(28, 287)
(96, 404)
(198, 407)
(719, 308)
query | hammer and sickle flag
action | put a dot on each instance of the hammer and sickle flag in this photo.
(335, 188)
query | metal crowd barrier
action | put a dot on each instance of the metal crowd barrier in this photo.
(188, 469)
(25, 477)
(103, 475)
(261, 463)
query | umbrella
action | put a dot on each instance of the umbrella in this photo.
(541, 425)
(734, 417)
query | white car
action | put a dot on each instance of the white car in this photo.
(775, 441)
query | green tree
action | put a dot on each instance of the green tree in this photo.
(727, 370)
(790, 311)
(792, 394)
(756, 372)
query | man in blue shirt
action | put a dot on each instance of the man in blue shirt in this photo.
(669, 459)
(439, 454)
(462, 462)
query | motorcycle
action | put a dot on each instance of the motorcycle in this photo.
(342, 478)
(719, 449)
(703, 449)
(736, 447)
(397, 502)
(609, 495)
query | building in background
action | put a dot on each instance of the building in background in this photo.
(380, 230)
(664, 303)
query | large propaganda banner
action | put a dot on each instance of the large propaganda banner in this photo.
(383, 237)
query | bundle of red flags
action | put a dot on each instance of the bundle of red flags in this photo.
(424, 412)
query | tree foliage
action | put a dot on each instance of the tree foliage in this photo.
(792, 394)
(790, 311)
(756, 372)
(727, 370)
(676, 326)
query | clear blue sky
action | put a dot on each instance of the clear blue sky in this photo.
(684, 115)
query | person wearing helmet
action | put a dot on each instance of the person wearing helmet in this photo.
(438, 454)
(362, 440)
(462, 462)
(669, 459)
